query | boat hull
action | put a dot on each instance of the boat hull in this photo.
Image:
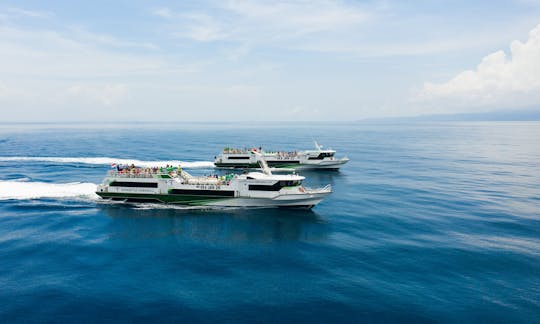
(325, 165)
(306, 200)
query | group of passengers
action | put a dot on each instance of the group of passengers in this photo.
(286, 155)
(280, 155)
(237, 151)
(149, 171)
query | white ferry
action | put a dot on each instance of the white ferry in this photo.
(297, 160)
(176, 186)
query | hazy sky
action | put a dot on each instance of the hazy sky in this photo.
(265, 60)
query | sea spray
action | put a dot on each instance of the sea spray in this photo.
(108, 161)
(13, 189)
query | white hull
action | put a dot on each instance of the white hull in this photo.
(329, 165)
(304, 200)
(247, 190)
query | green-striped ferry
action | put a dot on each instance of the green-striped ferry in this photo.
(318, 158)
(253, 189)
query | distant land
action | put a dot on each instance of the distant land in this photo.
(500, 115)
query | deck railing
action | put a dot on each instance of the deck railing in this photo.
(136, 173)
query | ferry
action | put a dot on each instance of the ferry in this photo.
(176, 186)
(318, 158)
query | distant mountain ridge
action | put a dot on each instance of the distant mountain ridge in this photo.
(499, 115)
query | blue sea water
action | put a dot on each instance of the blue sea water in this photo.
(428, 222)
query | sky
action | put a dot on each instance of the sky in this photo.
(317, 60)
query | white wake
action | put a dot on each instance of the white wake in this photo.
(17, 189)
(107, 161)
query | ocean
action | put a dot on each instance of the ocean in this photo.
(428, 222)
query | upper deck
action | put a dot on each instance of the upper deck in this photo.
(140, 173)
(178, 175)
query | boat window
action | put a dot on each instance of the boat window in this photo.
(238, 157)
(289, 183)
(276, 186)
(282, 162)
(321, 156)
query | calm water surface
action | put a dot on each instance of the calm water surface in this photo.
(428, 222)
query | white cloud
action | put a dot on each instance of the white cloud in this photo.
(499, 80)
(19, 12)
(300, 112)
(201, 27)
(298, 17)
(260, 21)
(108, 40)
(32, 54)
(73, 75)
(330, 27)
(6, 91)
(236, 53)
(163, 12)
(107, 94)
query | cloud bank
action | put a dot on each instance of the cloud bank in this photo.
(499, 81)
(260, 21)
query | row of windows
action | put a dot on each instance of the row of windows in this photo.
(290, 183)
(195, 192)
(226, 193)
(282, 162)
(223, 193)
(321, 156)
(133, 184)
(318, 157)
(238, 157)
(275, 187)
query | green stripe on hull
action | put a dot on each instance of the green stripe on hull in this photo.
(191, 200)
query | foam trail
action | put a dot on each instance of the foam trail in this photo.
(107, 161)
(13, 189)
(24, 179)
